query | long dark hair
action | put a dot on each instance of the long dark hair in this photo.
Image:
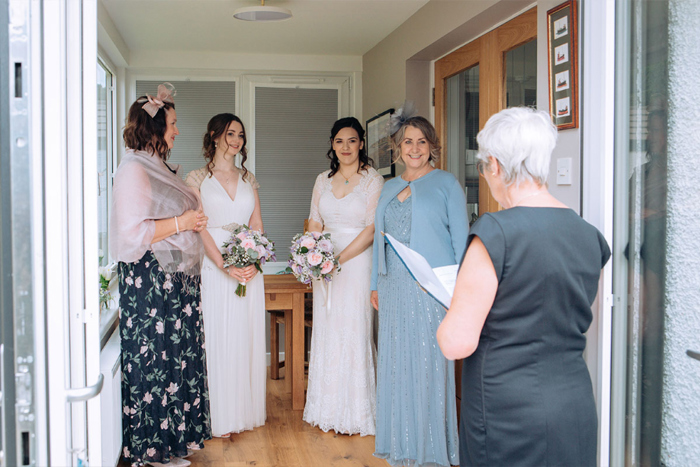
(348, 122)
(145, 133)
(217, 126)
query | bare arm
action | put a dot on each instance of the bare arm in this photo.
(189, 220)
(475, 291)
(315, 226)
(255, 221)
(358, 245)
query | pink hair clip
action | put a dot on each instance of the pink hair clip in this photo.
(166, 92)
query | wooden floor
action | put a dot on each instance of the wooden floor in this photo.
(286, 441)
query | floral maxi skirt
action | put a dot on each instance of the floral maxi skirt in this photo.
(164, 382)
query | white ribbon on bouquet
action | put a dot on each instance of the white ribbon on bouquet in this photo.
(327, 288)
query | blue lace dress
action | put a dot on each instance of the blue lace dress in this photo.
(416, 405)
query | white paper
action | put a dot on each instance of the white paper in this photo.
(447, 276)
(438, 283)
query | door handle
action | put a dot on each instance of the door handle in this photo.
(691, 354)
(88, 392)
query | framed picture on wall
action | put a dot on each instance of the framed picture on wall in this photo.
(378, 144)
(562, 47)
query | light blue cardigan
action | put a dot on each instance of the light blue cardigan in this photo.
(439, 225)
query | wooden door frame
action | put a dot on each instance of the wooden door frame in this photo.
(487, 51)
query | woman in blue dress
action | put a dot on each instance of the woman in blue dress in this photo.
(521, 308)
(424, 208)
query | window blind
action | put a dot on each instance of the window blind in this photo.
(292, 136)
(196, 102)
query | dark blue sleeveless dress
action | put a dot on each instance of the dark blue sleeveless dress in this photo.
(527, 398)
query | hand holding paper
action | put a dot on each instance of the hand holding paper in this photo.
(439, 283)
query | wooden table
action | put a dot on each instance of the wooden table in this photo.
(283, 292)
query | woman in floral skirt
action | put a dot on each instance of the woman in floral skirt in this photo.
(154, 234)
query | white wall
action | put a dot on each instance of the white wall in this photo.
(681, 403)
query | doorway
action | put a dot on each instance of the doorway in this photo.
(495, 71)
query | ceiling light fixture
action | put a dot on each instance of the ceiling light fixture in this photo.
(262, 13)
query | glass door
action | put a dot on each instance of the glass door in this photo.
(494, 71)
(462, 127)
(655, 406)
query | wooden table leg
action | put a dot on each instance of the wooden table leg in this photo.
(298, 396)
(288, 360)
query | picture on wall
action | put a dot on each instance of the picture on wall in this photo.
(562, 46)
(562, 80)
(562, 54)
(561, 27)
(379, 145)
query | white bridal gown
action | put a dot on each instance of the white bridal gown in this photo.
(234, 327)
(342, 382)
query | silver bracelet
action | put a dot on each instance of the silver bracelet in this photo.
(177, 227)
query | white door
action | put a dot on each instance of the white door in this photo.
(65, 77)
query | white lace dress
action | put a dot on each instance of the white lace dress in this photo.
(234, 327)
(341, 394)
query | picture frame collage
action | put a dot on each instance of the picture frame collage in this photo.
(563, 64)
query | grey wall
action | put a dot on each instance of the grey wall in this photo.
(681, 403)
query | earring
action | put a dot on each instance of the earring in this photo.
(216, 145)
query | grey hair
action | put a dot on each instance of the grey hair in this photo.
(521, 139)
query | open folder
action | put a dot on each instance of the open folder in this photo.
(439, 283)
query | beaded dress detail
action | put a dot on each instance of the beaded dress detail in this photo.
(416, 405)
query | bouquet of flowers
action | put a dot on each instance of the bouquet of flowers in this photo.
(311, 257)
(246, 247)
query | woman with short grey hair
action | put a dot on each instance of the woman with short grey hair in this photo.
(521, 307)
(521, 141)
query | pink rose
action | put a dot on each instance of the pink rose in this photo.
(248, 243)
(308, 243)
(325, 245)
(327, 267)
(315, 258)
(241, 235)
(261, 250)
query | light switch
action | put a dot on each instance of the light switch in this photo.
(564, 171)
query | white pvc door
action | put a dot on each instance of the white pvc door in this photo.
(68, 120)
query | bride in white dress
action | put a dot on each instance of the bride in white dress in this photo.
(341, 394)
(234, 327)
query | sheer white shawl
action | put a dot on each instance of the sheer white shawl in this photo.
(145, 190)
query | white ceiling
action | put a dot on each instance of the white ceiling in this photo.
(318, 27)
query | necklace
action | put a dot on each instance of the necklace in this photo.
(413, 179)
(228, 177)
(535, 193)
(347, 179)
